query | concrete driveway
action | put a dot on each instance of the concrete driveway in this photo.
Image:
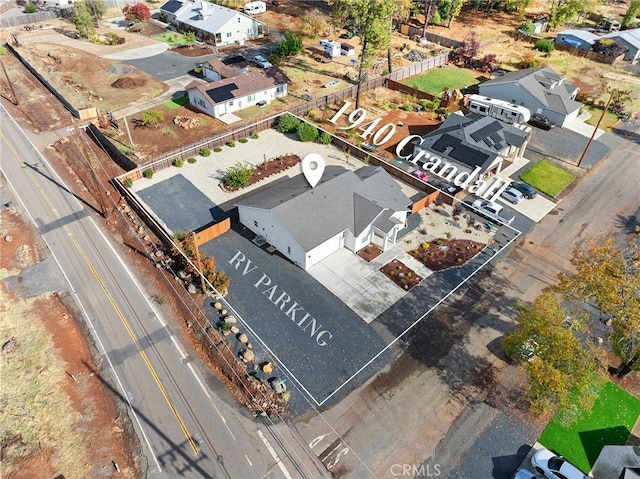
(361, 285)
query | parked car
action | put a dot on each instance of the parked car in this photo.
(541, 121)
(555, 467)
(524, 474)
(491, 211)
(262, 62)
(528, 191)
(488, 207)
(420, 174)
(512, 195)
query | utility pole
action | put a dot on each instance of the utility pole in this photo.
(197, 253)
(595, 130)
(13, 93)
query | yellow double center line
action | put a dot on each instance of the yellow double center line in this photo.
(116, 308)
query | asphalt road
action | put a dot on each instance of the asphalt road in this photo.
(185, 428)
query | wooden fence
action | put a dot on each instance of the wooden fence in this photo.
(402, 88)
(41, 16)
(412, 31)
(212, 231)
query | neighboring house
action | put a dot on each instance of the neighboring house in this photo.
(541, 90)
(237, 92)
(465, 143)
(617, 462)
(630, 40)
(582, 39)
(213, 23)
(218, 69)
(346, 209)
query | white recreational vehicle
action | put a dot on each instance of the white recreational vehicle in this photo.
(499, 109)
(253, 8)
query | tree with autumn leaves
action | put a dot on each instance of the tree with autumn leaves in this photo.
(554, 348)
(608, 276)
(138, 12)
(564, 364)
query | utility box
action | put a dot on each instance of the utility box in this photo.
(254, 8)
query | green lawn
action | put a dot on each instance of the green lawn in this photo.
(171, 38)
(176, 103)
(547, 177)
(607, 122)
(438, 78)
(610, 422)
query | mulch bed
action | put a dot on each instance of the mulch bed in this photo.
(192, 50)
(268, 168)
(369, 252)
(445, 253)
(401, 274)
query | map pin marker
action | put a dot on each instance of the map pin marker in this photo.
(313, 168)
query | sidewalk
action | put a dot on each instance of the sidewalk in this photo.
(579, 126)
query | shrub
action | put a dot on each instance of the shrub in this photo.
(289, 45)
(148, 173)
(254, 135)
(528, 60)
(238, 175)
(217, 149)
(231, 143)
(544, 45)
(179, 162)
(30, 8)
(288, 123)
(307, 132)
(441, 111)
(243, 140)
(325, 138)
(128, 182)
(407, 107)
(608, 47)
(152, 117)
(205, 151)
(192, 160)
(3, 51)
(425, 245)
(112, 38)
(527, 27)
(392, 106)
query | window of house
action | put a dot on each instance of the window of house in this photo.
(229, 34)
(280, 88)
(289, 249)
(251, 97)
(255, 223)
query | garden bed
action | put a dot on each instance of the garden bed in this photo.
(266, 169)
(442, 253)
(401, 274)
(369, 252)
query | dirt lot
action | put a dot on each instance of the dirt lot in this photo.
(57, 415)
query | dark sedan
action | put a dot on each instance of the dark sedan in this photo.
(541, 121)
(528, 191)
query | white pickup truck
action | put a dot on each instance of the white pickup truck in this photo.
(491, 210)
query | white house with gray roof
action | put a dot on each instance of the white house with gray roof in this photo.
(213, 23)
(630, 40)
(464, 143)
(345, 209)
(540, 89)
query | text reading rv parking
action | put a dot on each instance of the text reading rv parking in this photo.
(282, 300)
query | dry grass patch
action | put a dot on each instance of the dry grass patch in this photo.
(36, 415)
